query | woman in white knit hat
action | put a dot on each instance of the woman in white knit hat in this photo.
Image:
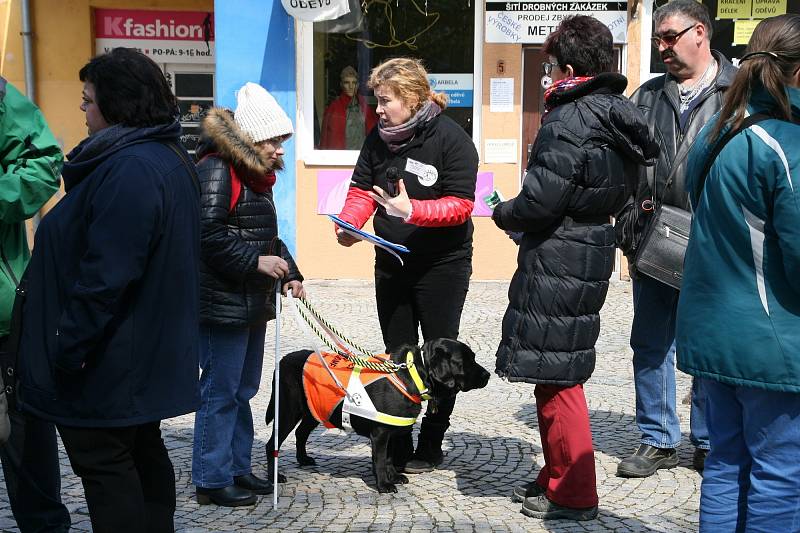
(241, 260)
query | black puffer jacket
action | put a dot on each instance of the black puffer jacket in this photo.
(659, 100)
(575, 180)
(232, 292)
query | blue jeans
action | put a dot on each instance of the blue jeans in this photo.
(751, 482)
(231, 359)
(653, 342)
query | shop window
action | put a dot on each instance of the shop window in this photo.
(345, 50)
(193, 86)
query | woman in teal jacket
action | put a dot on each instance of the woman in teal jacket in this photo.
(739, 310)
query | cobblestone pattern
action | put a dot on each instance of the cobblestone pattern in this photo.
(492, 446)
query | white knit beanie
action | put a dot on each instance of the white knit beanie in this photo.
(259, 115)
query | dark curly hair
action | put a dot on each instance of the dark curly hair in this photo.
(130, 89)
(583, 42)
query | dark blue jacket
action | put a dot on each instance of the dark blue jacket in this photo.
(109, 334)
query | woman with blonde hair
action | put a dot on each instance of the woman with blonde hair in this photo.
(738, 324)
(434, 165)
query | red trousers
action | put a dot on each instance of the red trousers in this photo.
(568, 473)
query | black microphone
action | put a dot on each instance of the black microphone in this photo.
(392, 177)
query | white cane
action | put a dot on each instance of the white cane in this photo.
(275, 391)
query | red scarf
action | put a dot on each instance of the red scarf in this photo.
(560, 87)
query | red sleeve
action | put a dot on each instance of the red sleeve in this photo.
(446, 211)
(358, 207)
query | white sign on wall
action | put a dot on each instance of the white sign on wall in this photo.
(532, 22)
(316, 10)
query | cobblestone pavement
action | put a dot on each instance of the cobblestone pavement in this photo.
(493, 444)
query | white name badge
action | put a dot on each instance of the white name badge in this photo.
(426, 174)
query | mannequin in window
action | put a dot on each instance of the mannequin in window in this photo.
(348, 119)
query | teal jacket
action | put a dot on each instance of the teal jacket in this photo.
(739, 308)
(30, 165)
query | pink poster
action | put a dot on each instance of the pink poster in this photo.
(332, 188)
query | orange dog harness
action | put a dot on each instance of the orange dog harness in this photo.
(324, 395)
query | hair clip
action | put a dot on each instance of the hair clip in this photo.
(755, 54)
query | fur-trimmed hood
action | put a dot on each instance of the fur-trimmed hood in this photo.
(222, 136)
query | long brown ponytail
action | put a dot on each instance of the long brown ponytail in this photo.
(772, 57)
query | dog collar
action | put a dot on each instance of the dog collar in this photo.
(424, 393)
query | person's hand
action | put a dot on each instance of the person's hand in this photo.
(273, 266)
(399, 206)
(298, 291)
(344, 238)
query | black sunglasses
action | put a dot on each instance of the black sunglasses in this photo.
(669, 39)
(547, 68)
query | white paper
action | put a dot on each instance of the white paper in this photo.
(501, 95)
(500, 151)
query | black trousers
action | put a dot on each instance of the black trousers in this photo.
(431, 298)
(127, 477)
(30, 465)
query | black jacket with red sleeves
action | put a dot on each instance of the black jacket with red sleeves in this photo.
(440, 161)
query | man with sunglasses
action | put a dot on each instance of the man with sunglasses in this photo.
(677, 105)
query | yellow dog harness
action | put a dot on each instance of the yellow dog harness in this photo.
(324, 394)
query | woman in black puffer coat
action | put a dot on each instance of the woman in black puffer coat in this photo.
(591, 139)
(241, 260)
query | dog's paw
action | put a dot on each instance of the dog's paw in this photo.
(387, 488)
(306, 460)
(401, 479)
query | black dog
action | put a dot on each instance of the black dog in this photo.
(445, 367)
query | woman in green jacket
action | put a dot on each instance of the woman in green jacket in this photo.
(738, 323)
(30, 159)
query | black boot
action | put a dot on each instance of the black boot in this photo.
(646, 461)
(254, 484)
(429, 448)
(230, 496)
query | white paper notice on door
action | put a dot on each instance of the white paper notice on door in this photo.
(500, 151)
(501, 95)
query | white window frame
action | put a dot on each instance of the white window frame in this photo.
(306, 151)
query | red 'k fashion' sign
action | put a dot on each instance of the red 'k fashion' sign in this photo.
(164, 36)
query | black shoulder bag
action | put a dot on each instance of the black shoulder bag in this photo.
(663, 247)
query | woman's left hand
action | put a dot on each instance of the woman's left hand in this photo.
(298, 291)
(399, 206)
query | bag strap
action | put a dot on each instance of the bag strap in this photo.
(725, 139)
(185, 159)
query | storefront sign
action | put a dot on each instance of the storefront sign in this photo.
(316, 10)
(457, 87)
(164, 36)
(734, 9)
(532, 22)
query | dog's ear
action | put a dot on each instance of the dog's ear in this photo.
(440, 366)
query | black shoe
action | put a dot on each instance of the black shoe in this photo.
(647, 460)
(541, 507)
(421, 465)
(699, 459)
(529, 490)
(230, 496)
(254, 484)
